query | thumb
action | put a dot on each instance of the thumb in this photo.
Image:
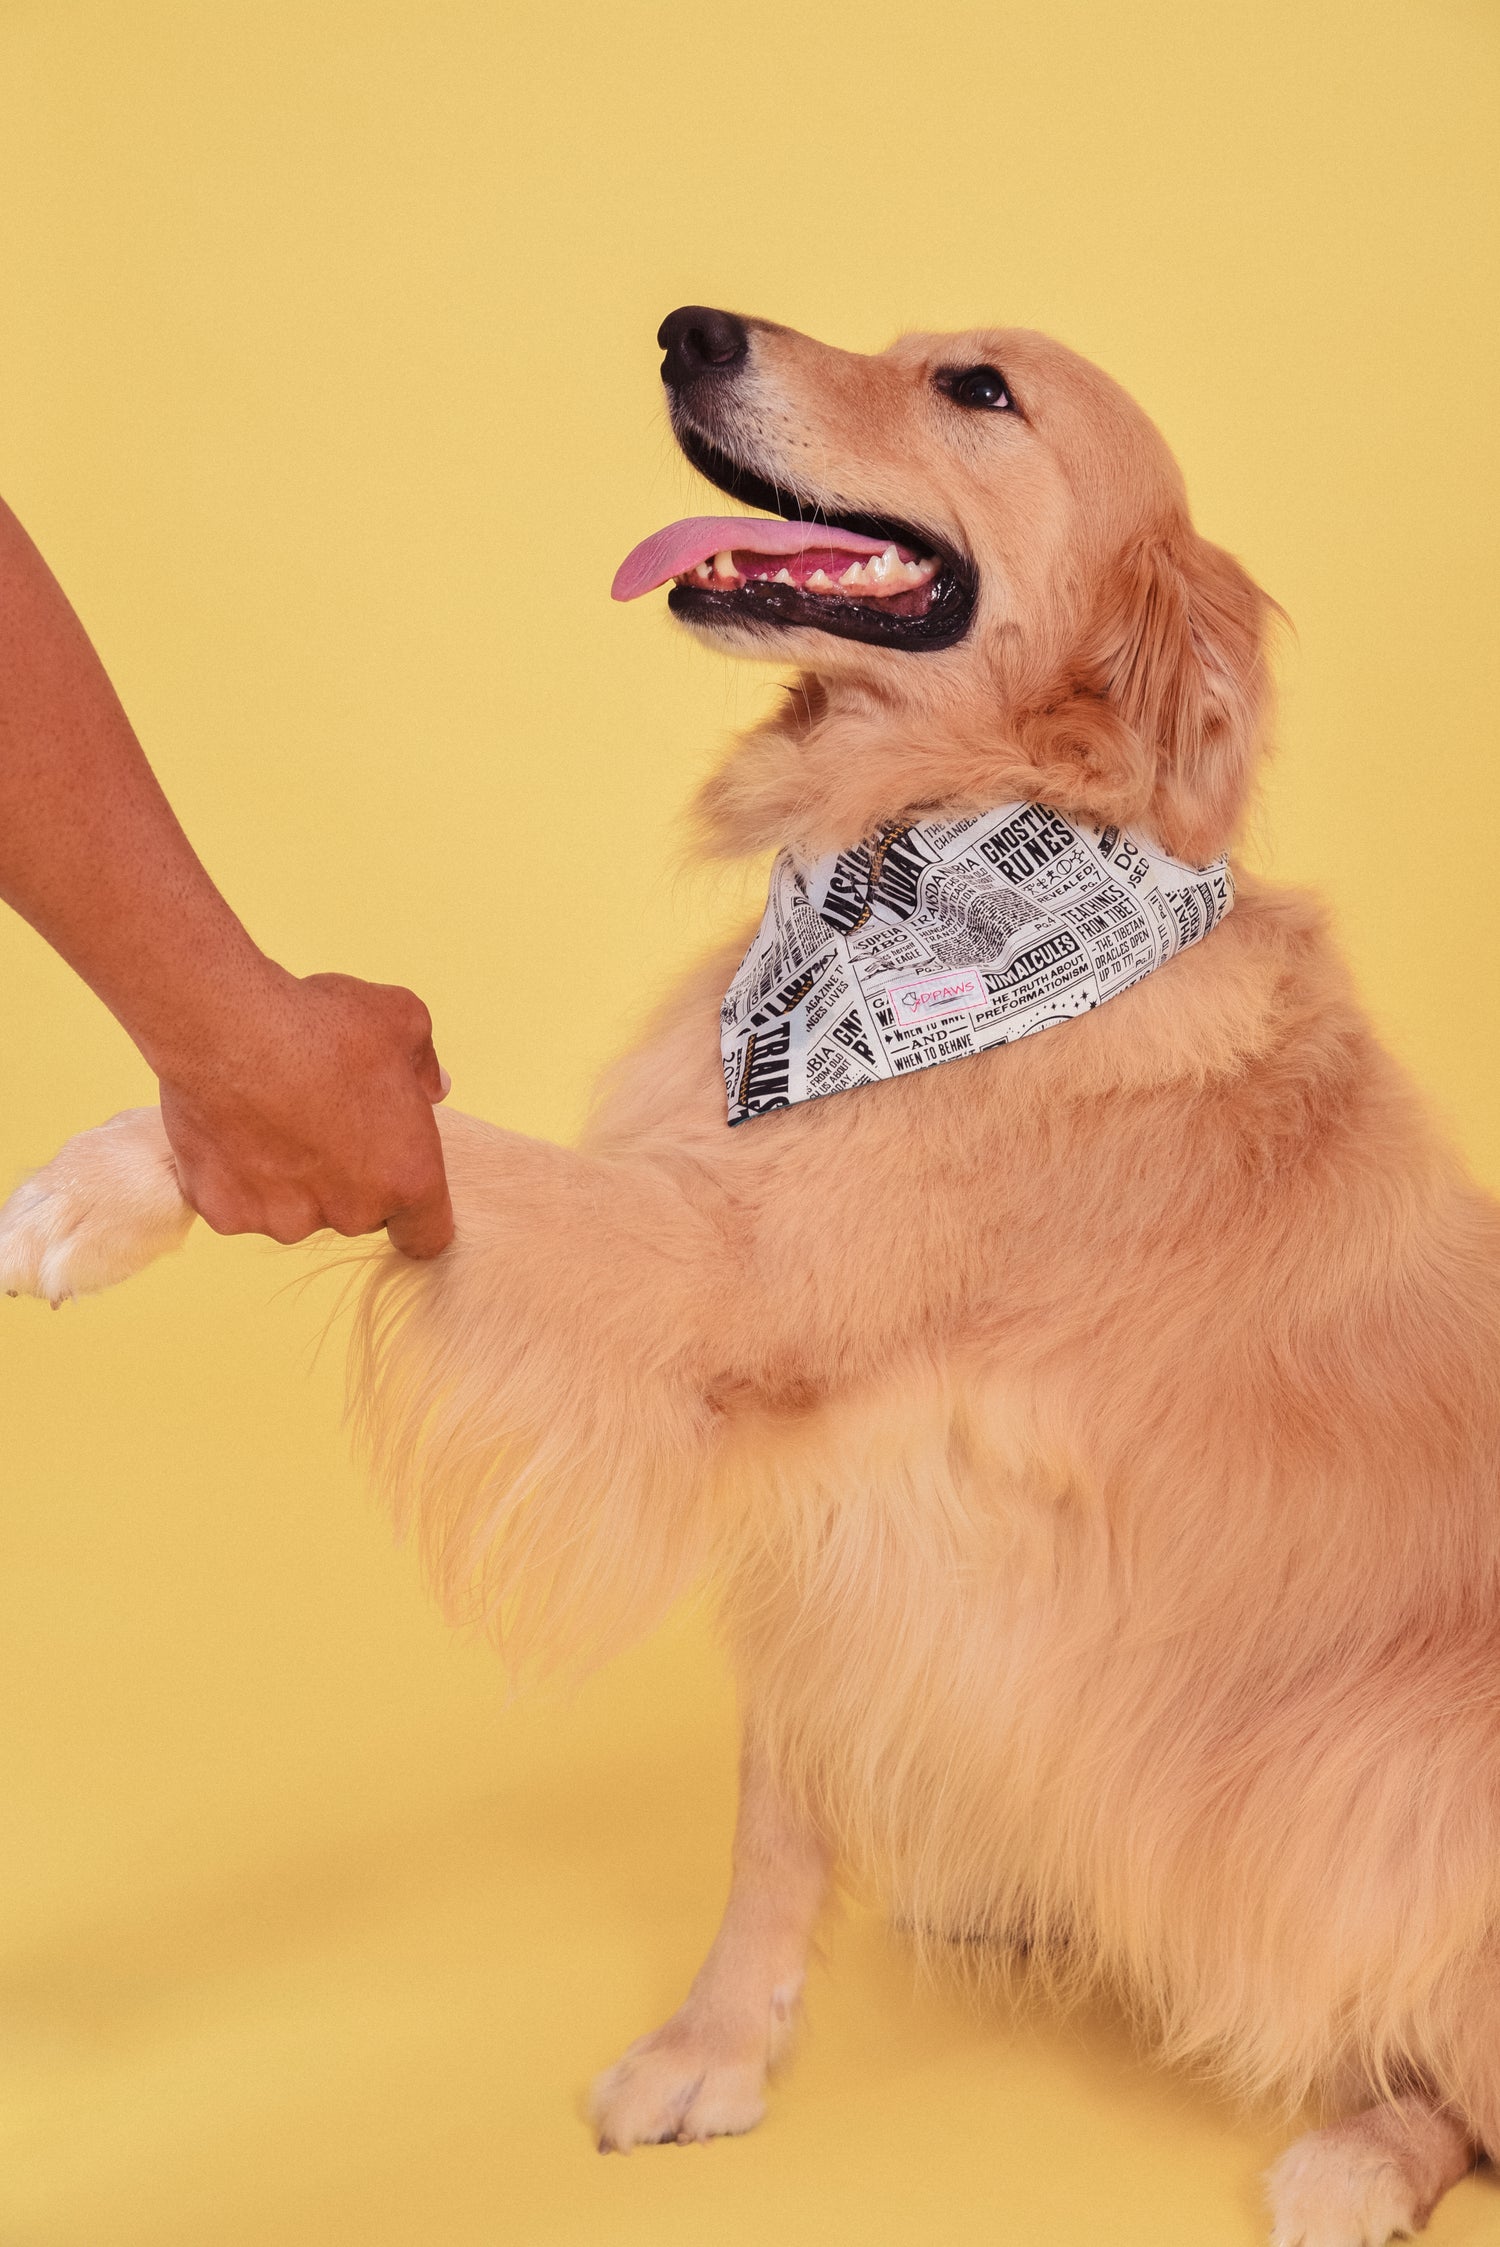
(426, 1228)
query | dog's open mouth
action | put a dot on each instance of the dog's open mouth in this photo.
(860, 577)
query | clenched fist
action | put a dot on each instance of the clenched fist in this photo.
(314, 1109)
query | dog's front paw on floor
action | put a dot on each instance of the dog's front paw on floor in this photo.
(101, 1210)
(1364, 2182)
(678, 2086)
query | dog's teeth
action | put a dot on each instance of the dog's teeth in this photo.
(886, 572)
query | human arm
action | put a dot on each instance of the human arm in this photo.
(290, 1102)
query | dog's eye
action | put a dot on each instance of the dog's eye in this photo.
(984, 389)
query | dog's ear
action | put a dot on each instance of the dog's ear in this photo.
(1184, 660)
(1161, 717)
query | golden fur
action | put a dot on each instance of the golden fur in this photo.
(1092, 1446)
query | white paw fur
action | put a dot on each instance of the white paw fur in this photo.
(677, 2086)
(1355, 2185)
(104, 1207)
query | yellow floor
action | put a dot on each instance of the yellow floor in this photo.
(311, 1940)
(328, 383)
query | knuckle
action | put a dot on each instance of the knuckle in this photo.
(409, 1012)
(290, 1222)
(220, 1214)
(351, 1218)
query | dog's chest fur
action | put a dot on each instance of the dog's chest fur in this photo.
(906, 1576)
(1085, 1394)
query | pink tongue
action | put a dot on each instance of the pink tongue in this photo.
(678, 548)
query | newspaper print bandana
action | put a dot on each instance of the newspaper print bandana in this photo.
(941, 938)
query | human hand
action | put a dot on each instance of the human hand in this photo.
(312, 1109)
(289, 1104)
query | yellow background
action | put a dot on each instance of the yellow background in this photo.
(328, 385)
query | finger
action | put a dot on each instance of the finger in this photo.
(430, 1073)
(219, 1213)
(353, 1218)
(290, 1221)
(227, 1212)
(221, 1206)
(426, 1227)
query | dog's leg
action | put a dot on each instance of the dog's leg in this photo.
(1376, 2177)
(703, 2074)
(105, 1207)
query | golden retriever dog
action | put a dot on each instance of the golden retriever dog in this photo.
(1092, 1444)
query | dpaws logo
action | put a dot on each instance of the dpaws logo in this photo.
(925, 997)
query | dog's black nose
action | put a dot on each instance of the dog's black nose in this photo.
(699, 341)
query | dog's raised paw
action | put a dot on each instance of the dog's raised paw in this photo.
(677, 2087)
(1365, 2182)
(106, 1205)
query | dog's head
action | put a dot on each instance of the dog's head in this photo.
(994, 587)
